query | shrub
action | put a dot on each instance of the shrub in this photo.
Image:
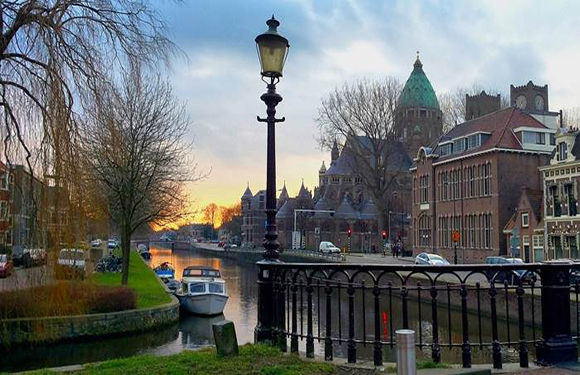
(65, 298)
(108, 299)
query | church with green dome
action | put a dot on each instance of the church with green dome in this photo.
(418, 118)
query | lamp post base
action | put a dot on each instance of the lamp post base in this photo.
(557, 351)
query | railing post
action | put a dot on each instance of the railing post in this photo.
(281, 315)
(309, 333)
(435, 349)
(265, 326)
(557, 345)
(351, 351)
(328, 339)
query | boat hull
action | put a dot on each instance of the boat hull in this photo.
(204, 304)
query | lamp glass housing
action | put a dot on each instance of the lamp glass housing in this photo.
(272, 50)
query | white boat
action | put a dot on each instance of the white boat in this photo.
(203, 291)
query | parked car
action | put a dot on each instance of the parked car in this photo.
(511, 277)
(96, 243)
(30, 258)
(327, 247)
(112, 243)
(6, 265)
(428, 259)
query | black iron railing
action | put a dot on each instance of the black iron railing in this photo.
(505, 310)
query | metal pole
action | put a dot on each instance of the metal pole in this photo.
(266, 321)
(406, 352)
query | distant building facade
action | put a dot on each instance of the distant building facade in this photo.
(525, 229)
(471, 181)
(561, 184)
(481, 105)
(253, 217)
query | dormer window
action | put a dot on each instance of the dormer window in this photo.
(459, 145)
(445, 149)
(534, 138)
(473, 141)
(562, 151)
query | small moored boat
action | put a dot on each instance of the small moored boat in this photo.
(203, 291)
(165, 271)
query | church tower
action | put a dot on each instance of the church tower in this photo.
(418, 118)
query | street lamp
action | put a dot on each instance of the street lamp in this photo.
(272, 52)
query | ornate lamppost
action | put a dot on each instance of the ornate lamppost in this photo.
(272, 52)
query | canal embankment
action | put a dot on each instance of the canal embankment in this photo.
(253, 255)
(154, 308)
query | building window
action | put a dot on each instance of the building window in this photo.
(424, 231)
(446, 149)
(571, 200)
(424, 188)
(415, 190)
(534, 138)
(473, 141)
(472, 184)
(486, 179)
(487, 225)
(525, 220)
(459, 145)
(555, 197)
(552, 139)
(3, 210)
(562, 151)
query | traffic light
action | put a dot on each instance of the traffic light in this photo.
(349, 232)
(384, 235)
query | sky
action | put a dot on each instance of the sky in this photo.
(462, 43)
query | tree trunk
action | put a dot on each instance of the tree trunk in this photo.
(125, 250)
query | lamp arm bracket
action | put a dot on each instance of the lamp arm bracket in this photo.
(268, 120)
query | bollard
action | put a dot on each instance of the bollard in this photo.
(406, 352)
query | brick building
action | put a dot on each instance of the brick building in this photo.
(561, 180)
(525, 229)
(470, 180)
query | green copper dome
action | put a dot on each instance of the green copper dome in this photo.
(418, 91)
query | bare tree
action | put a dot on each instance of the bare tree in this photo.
(571, 117)
(453, 104)
(67, 47)
(361, 117)
(136, 157)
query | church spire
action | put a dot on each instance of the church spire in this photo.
(334, 153)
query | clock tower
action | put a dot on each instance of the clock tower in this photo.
(531, 98)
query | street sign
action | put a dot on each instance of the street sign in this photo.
(455, 236)
(317, 231)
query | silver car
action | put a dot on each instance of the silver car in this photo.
(431, 260)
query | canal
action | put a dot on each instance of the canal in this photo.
(196, 332)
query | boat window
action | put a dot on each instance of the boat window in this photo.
(197, 288)
(216, 288)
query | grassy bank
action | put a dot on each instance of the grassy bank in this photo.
(142, 279)
(253, 359)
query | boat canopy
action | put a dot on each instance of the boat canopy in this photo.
(200, 271)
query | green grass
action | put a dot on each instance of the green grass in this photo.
(141, 278)
(253, 359)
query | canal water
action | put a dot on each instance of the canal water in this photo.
(196, 332)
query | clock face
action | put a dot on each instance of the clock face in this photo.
(521, 102)
(539, 102)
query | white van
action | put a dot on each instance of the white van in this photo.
(327, 247)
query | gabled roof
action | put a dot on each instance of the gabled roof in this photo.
(303, 193)
(397, 158)
(369, 210)
(499, 125)
(322, 204)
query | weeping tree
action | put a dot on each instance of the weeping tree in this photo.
(135, 156)
(361, 117)
(54, 57)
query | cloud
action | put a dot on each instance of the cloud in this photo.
(462, 43)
